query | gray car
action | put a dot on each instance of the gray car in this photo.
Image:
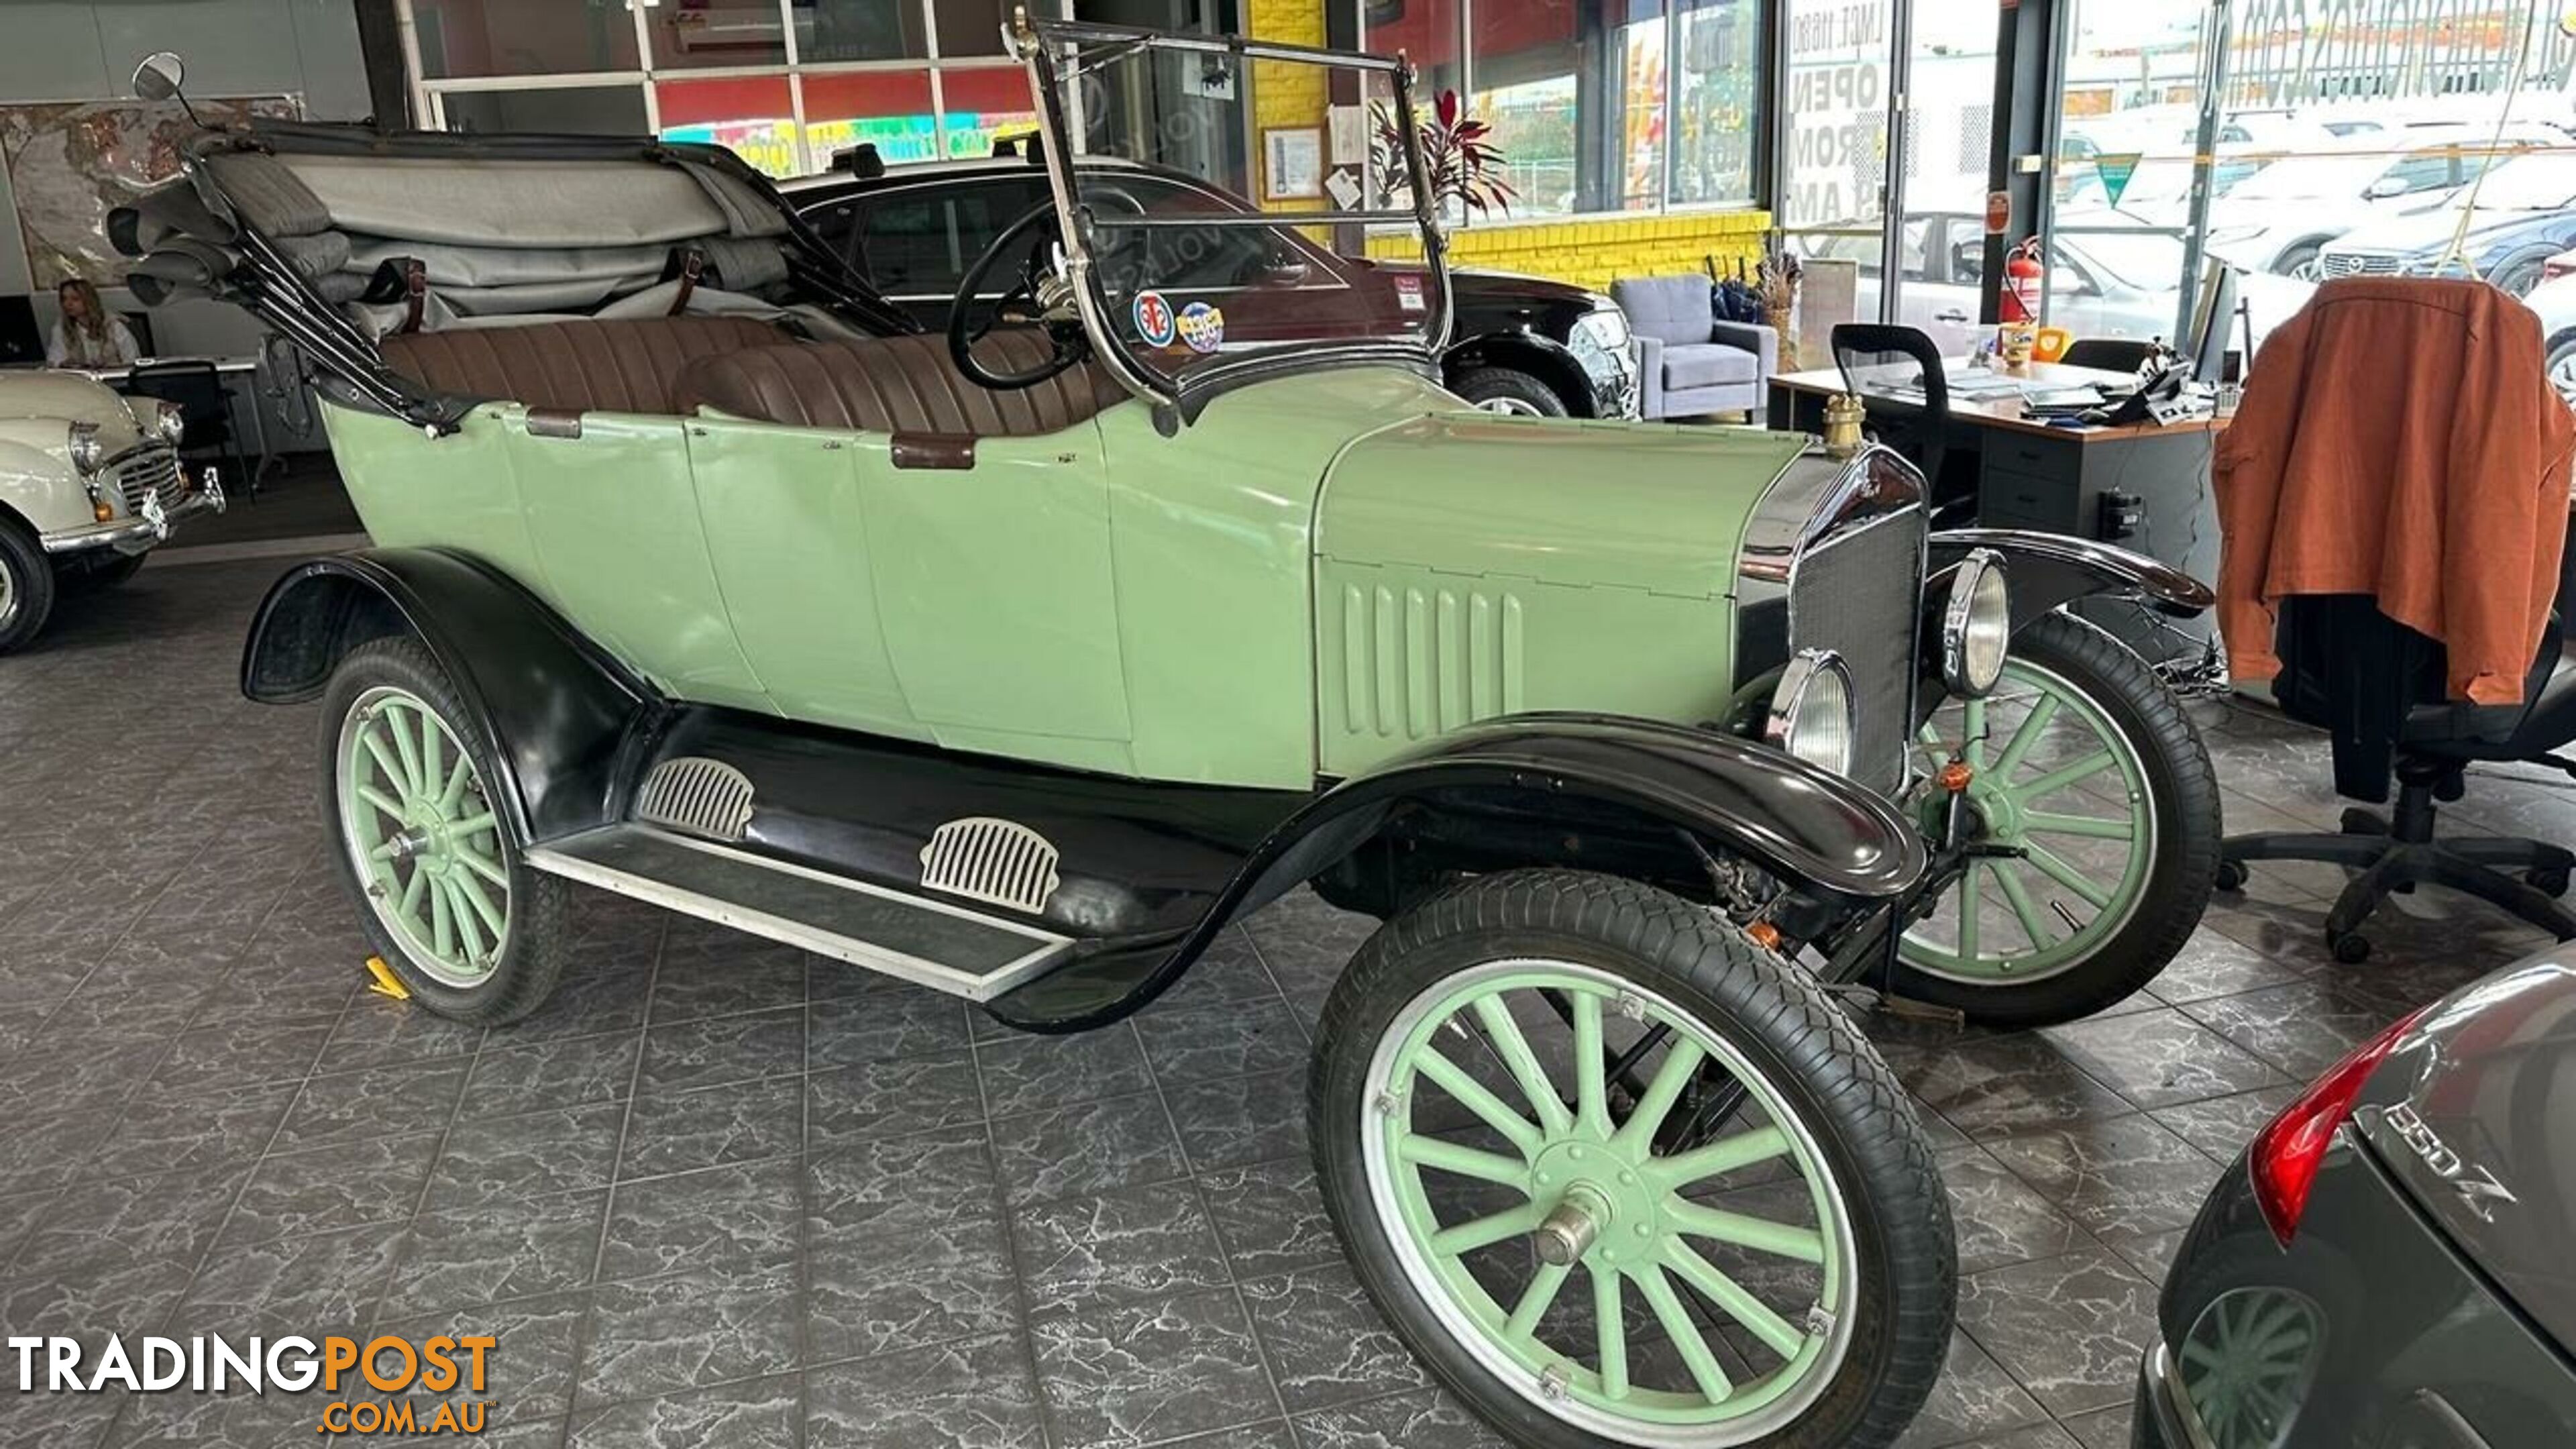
(2389, 1266)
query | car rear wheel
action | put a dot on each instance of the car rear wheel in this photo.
(26, 587)
(1509, 390)
(2094, 834)
(1621, 1177)
(2562, 366)
(2300, 261)
(450, 906)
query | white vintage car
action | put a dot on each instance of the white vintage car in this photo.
(90, 482)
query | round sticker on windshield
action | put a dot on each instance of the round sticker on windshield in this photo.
(1153, 319)
(1202, 327)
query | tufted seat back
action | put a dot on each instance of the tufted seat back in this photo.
(620, 365)
(905, 385)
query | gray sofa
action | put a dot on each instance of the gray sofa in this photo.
(1692, 363)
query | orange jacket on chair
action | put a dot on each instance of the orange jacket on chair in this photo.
(2400, 439)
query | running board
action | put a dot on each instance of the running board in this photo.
(930, 943)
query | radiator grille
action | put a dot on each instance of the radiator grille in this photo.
(1859, 593)
(701, 796)
(2356, 264)
(146, 472)
(985, 859)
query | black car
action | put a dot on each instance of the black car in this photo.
(1519, 344)
(2388, 1267)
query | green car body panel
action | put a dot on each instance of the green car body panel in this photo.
(1327, 570)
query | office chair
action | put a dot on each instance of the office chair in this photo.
(1882, 357)
(2108, 354)
(2380, 687)
(198, 392)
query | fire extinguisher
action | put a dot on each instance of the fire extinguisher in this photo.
(2020, 299)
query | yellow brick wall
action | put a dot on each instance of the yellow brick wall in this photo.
(1593, 252)
(1285, 94)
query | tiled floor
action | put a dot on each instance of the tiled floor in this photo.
(716, 1194)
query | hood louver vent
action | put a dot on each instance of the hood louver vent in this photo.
(700, 796)
(997, 861)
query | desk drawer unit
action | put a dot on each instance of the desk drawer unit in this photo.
(2010, 499)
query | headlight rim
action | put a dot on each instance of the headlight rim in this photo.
(1806, 674)
(169, 422)
(83, 447)
(1980, 598)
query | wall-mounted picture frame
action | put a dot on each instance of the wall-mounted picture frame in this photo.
(1292, 163)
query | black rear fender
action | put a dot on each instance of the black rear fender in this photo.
(553, 709)
(2050, 570)
(1635, 785)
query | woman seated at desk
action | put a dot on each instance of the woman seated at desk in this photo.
(87, 335)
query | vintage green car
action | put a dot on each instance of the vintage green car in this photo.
(1016, 663)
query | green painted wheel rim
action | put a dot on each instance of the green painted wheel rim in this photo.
(2247, 1363)
(422, 837)
(2054, 778)
(1564, 1142)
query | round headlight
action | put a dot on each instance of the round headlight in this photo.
(86, 451)
(1976, 625)
(170, 422)
(1812, 714)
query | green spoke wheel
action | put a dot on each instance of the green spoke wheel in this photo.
(2247, 1365)
(451, 908)
(1637, 1202)
(2093, 833)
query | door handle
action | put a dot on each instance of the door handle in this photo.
(1954, 315)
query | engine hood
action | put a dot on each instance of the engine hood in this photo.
(2424, 231)
(2473, 1115)
(70, 396)
(1634, 505)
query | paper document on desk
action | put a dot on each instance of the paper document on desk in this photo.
(1979, 385)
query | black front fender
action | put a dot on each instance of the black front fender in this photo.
(2050, 570)
(1829, 839)
(553, 709)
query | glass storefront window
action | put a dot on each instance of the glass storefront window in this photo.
(611, 110)
(890, 109)
(985, 105)
(464, 38)
(1574, 90)
(1835, 107)
(1715, 72)
(833, 31)
(706, 34)
(973, 27)
(753, 116)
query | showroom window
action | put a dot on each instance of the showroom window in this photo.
(1599, 106)
(783, 83)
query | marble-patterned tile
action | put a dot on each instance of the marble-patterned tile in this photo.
(892, 1097)
(741, 1216)
(2122, 1174)
(2000, 1219)
(2302, 1028)
(378, 1031)
(543, 1152)
(377, 1180)
(754, 1414)
(1143, 1373)
(1271, 1217)
(505, 1248)
(373, 1102)
(711, 970)
(884, 1026)
(2151, 1253)
(326, 1278)
(1235, 1121)
(2161, 1058)
(2004, 1084)
(2221, 1126)
(166, 1215)
(1024, 1074)
(1147, 1242)
(687, 1331)
(913, 1272)
(1271, 1434)
(1422, 1419)
(530, 1370)
(2213, 963)
(2068, 1329)
(48, 1150)
(974, 1394)
(574, 1072)
(1974, 1399)
(1088, 1148)
(211, 1059)
(156, 1134)
(1221, 1039)
(722, 1050)
(681, 1131)
(1325, 1341)
(2103, 1428)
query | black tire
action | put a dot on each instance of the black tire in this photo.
(2516, 278)
(2351, 948)
(104, 572)
(26, 586)
(2561, 365)
(1774, 1015)
(2188, 836)
(2231, 875)
(523, 972)
(2299, 261)
(1509, 389)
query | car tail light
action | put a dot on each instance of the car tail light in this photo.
(2287, 1152)
(2558, 266)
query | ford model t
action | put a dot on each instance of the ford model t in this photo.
(1015, 662)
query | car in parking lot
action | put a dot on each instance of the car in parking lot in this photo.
(2388, 1263)
(2281, 218)
(2506, 228)
(1520, 344)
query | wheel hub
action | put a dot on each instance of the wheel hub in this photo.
(1607, 1211)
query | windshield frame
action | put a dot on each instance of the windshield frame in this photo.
(1043, 46)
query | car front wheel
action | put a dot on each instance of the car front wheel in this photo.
(407, 787)
(2093, 834)
(1509, 390)
(1621, 1177)
(26, 587)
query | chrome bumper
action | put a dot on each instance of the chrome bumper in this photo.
(149, 527)
(2164, 1417)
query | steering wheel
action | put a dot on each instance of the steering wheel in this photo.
(1040, 296)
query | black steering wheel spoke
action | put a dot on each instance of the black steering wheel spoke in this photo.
(1035, 239)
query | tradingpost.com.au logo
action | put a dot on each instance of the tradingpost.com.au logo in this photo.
(451, 1366)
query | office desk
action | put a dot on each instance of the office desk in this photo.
(2029, 474)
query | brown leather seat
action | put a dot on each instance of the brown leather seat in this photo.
(620, 365)
(906, 385)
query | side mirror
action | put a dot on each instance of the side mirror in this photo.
(159, 76)
(2385, 187)
(1284, 268)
